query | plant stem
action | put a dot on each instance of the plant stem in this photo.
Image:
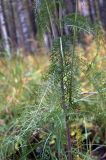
(69, 146)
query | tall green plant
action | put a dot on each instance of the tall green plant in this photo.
(65, 61)
(53, 106)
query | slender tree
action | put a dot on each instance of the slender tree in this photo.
(10, 23)
(4, 29)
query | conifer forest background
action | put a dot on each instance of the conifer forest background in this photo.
(52, 79)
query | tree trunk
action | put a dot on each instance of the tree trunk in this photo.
(103, 13)
(10, 23)
(4, 29)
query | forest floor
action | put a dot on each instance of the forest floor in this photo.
(31, 124)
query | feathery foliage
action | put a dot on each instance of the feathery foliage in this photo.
(57, 115)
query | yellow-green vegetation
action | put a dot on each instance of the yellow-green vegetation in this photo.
(19, 81)
(32, 121)
(52, 107)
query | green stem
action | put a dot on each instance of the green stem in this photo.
(69, 146)
(50, 18)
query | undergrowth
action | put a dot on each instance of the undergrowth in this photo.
(32, 123)
(60, 113)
